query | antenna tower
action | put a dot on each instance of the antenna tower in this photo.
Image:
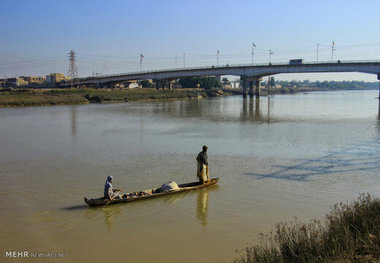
(73, 70)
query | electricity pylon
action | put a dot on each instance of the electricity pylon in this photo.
(73, 70)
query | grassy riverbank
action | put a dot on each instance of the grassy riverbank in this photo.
(350, 233)
(35, 97)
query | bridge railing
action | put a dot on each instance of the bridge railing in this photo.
(230, 66)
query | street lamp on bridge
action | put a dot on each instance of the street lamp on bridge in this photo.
(217, 57)
(332, 50)
(270, 55)
(253, 50)
(141, 60)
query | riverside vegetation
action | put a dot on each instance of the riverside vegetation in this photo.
(39, 97)
(210, 87)
(350, 233)
(290, 87)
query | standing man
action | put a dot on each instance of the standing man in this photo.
(202, 171)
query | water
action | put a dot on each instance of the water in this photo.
(278, 158)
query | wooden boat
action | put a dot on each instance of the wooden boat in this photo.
(150, 193)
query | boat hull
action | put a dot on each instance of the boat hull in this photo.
(151, 193)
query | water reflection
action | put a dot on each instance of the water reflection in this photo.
(213, 109)
(252, 110)
(73, 120)
(258, 114)
(244, 110)
(362, 157)
(109, 215)
(202, 206)
(172, 199)
(114, 211)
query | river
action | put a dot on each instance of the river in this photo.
(277, 157)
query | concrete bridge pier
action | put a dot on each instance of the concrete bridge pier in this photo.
(244, 81)
(254, 86)
(257, 87)
(251, 84)
(159, 84)
(164, 84)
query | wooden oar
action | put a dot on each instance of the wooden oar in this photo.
(110, 199)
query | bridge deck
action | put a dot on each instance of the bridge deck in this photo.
(256, 70)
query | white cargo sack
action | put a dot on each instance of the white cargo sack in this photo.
(170, 186)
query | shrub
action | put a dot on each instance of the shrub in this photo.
(350, 233)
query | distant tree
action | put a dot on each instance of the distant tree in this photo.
(209, 83)
(225, 81)
(325, 84)
(204, 83)
(329, 85)
(189, 83)
(145, 83)
(294, 83)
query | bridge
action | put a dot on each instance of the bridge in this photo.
(249, 74)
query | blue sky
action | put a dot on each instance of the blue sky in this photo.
(108, 36)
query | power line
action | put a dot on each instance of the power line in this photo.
(32, 61)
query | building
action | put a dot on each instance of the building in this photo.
(53, 78)
(31, 80)
(34, 81)
(14, 82)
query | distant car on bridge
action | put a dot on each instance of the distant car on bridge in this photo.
(295, 61)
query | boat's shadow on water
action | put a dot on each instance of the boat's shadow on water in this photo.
(356, 158)
(75, 207)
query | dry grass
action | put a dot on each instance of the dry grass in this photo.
(33, 97)
(350, 233)
(38, 98)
